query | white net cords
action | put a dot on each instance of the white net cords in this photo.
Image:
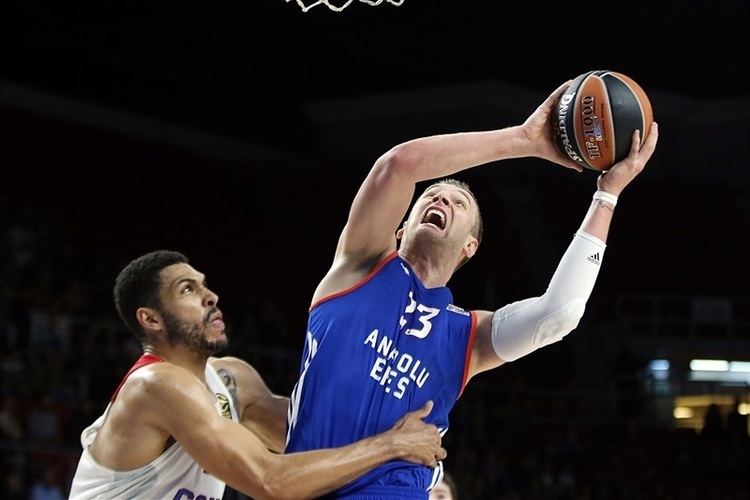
(335, 8)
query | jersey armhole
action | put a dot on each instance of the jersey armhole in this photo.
(469, 350)
(358, 284)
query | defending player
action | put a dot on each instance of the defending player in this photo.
(383, 333)
(179, 425)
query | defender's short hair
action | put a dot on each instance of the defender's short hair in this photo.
(138, 285)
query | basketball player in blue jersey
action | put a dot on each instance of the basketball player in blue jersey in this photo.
(183, 423)
(383, 333)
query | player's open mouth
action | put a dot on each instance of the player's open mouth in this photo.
(435, 217)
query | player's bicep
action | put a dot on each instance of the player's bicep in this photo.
(483, 355)
(261, 411)
(267, 419)
(377, 209)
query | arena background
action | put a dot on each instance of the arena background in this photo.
(238, 133)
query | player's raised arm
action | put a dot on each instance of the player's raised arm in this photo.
(522, 327)
(384, 197)
(226, 450)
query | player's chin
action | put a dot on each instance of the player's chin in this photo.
(218, 337)
(216, 332)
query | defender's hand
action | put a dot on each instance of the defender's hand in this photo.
(420, 441)
(614, 180)
(539, 131)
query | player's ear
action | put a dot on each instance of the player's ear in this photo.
(401, 230)
(470, 247)
(149, 319)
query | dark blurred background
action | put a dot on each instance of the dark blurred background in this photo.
(238, 133)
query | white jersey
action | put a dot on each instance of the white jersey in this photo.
(174, 475)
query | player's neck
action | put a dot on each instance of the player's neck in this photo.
(433, 269)
(181, 356)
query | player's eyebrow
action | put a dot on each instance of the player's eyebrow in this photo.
(463, 193)
(188, 279)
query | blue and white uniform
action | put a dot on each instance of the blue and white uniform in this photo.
(372, 353)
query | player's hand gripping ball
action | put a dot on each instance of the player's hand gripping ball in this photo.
(595, 117)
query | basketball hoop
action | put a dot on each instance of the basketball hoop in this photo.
(338, 6)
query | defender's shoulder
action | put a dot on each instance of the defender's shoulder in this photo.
(153, 388)
(157, 377)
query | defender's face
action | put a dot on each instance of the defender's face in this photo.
(443, 212)
(190, 306)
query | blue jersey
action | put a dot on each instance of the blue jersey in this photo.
(372, 353)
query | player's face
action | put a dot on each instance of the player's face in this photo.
(441, 492)
(190, 310)
(444, 212)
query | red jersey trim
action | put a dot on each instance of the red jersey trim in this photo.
(144, 360)
(469, 349)
(358, 284)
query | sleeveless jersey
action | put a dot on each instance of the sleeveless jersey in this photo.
(174, 475)
(372, 353)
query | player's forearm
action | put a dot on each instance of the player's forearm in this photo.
(441, 155)
(311, 474)
(238, 460)
(598, 219)
(522, 327)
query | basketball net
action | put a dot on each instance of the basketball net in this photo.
(306, 5)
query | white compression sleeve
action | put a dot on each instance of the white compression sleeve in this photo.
(522, 327)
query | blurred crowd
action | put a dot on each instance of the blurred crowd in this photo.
(504, 446)
(63, 351)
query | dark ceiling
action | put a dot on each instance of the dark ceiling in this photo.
(245, 68)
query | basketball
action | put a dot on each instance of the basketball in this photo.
(595, 117)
